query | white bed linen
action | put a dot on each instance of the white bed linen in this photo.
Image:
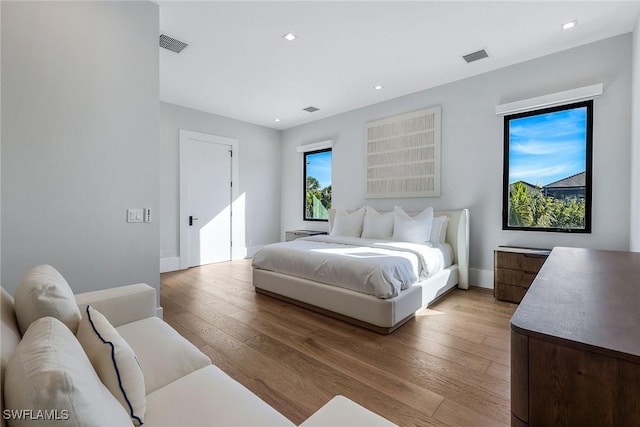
(372, 266)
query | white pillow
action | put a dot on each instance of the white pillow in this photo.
(415, 229)
(348, 224)
(115, 362)
(377, 225)
(439, 229)
(50, 371)
(44, 292)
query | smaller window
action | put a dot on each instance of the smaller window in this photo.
(547, 169)
(317, 185)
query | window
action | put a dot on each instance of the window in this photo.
(547, 169)
(317, 185)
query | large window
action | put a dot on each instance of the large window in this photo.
(317, 185)
(547, 169)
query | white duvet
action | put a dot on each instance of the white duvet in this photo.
(376, 267)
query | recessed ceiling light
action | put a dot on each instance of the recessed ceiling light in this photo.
(290, 36)
(378, 87)
(276, 120)
(569, 25)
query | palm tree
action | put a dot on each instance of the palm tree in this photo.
(312, 184)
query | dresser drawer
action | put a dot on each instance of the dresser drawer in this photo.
(514, 277)
(517, 261)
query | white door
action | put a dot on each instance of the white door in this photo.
(205, 186)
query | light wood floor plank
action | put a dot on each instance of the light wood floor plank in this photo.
(447, 367)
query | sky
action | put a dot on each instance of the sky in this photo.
(547, 147)
(319, 167)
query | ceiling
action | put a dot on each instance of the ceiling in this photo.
(238, 64)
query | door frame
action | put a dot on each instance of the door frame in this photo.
(183, 214)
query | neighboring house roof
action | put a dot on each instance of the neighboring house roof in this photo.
(529, 186)
(577, 180)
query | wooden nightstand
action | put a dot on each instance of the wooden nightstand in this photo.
(514, 270)
(296, 234)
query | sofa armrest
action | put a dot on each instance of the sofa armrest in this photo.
(121, 305)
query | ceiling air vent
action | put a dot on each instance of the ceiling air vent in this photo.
(172, 44)
(311, 109)
(475, 56)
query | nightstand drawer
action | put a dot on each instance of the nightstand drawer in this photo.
(518, 261)
(514, 270)
(296, 234)
(514, 277)
(509, 293)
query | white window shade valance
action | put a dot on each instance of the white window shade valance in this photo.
(315, 146)
(551, 100)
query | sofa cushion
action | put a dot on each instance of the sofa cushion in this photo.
(208, 396)
(163, 353)
(114, 361)
(343, 412)
(10, 337)
(44, 292)
(10, 333)
(50, 371)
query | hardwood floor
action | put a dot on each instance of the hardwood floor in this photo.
(447, 367)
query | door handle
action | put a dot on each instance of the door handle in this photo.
(191, 219)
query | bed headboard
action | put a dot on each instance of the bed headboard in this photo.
(457, 237)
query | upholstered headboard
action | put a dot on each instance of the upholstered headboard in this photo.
(457, 237)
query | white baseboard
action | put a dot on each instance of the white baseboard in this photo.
(481, 278)
(169, 264)
(159, 312)
(238, 252)
(251, 250)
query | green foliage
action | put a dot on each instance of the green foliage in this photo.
(318, 200)
(528, 207)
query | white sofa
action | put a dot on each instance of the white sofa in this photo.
(182, 386)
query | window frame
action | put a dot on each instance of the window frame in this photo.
(588, 167)
(304, 182)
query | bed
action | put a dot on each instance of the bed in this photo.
(381, 314)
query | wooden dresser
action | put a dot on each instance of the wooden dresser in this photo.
(514, 269)
(575, 342)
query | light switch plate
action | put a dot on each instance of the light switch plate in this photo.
(134, 215)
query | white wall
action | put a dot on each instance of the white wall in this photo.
(80, 141)
(635, 143)
(259, 176)
(472, 149)
(0, 142)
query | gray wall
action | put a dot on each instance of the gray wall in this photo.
(472, 149)
(80, 141)
(635, 143)
(259, 174)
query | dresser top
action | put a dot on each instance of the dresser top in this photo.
(585, 298)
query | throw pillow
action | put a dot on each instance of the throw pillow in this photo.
(377, 225)
(44, 292)
(114, 361)
(348, 224)
(439, 229)
(415, 229)
(50, 372)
